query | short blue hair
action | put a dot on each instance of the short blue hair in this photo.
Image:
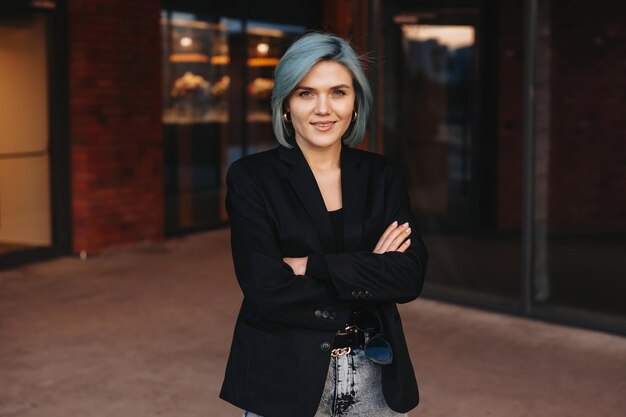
(295, 64)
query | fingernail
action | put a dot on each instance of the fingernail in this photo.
(395, 223)
(408, 229)
(406, 224)
(408, 241)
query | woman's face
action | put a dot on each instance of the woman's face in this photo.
(321, 105)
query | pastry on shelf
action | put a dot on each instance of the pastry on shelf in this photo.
(261, 87)
(220, 87)
(188, 84)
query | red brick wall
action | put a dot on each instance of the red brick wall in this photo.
(586, 177)
(115, 122)
(588, 147)
(511, 117)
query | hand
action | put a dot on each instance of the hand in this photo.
(393, 238)
(298, 265)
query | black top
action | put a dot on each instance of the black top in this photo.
(336, 218)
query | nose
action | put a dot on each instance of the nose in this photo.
(322, 106)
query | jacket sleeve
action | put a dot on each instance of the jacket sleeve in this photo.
(266, 280)
(373, 278)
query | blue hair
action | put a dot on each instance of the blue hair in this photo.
(295, 64)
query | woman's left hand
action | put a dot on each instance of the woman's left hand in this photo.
(297, 264)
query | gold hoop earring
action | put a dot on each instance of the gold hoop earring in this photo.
(354, 115)
(287, 117)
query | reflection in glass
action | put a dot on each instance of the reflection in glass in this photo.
(218, 81)
(266, 43)
(196, 91)
(451, 171)
(439, 68)
(196, 78)
(579, 180)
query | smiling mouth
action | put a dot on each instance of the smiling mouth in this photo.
(323, 124)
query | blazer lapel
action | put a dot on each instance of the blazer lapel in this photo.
(354, 194)
(305, 186)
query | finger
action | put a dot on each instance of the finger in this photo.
(385, 234)
(399, 240)
(385, 246)
(392, 236)
(404, 246)
(286, 261)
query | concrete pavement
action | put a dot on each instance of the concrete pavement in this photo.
(145, 331)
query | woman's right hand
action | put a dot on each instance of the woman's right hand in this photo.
(393, 239)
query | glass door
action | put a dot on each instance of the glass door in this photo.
(579, 170)
(266, 43)
(25, 198)
(217, 84)
(455, 168)
(196, 83)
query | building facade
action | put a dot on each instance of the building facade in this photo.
(120, 119)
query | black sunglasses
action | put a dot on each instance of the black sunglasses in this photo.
(377, 349)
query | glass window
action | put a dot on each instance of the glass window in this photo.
(218, 80)
(456, 167)
(580, 160)
(25, 214)
(196, 95)
(266, 43)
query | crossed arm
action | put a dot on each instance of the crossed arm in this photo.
(392, 272)
(395, 238)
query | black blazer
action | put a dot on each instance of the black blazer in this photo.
(280, 351)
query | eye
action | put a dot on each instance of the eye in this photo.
(304, 93)
(339, 93)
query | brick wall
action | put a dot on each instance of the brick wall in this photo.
(584, 174)
(115, 121)
(511, 116)
(588, 146)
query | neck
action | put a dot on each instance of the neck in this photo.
(321, 158)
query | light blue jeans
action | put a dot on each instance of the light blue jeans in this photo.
(353, 389)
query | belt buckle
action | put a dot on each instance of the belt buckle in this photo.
(347, 330)
(340, 351)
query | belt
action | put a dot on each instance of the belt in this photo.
(352, 338)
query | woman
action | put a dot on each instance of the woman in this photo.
(324, 245)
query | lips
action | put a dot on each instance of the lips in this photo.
(323, 126)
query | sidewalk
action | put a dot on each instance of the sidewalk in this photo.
(145, 331)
